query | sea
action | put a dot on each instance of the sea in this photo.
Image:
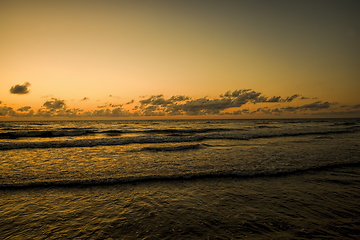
(180, 179)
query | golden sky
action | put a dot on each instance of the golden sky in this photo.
(233, 59)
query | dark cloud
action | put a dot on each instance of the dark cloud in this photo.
(235, 93)
(159, 100)
(54, 104)
(289, 99)
(106, 105)
(229, 103)
(4, 111)
(316, 106)
(115, 105)
(276, 111)
(203, 106)
(179, 98)
(120, 112)
(9, 112)
(116, 112)
(154, 100)
(20, 89)
(274, 99)
(112, 96)
(319, 105)
(24, 109)
(290, 109)
(183, 105)
(44, 113)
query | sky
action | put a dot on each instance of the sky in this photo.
(179, 59)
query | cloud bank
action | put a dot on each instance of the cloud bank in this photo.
(232, 103)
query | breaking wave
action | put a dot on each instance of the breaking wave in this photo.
(174, 177)
(156, 138)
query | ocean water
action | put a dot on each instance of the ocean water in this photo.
(180, 179)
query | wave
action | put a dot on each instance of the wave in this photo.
(97, 142)
(64, 132)
(190, 131)
(172, 149)
(175, 177)
(264, 126)
(145, 139)
(344, 124)
(45, 133)
(282, 134)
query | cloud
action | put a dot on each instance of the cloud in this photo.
(116, 112)
(24, 109)
(183, 105)
(55, 104)
(289, 99)
(115, 105)
(20, 89)
(319, 105)
(316, 106)
(290, 109)
(276, 111)
(114, 96)
(274, 99)
(9, 112)
(4, 111)
(106, 105)
(238, 102)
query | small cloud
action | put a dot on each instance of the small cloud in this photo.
(85, 99)
(20, 89)
(356, 106)
(112, 96)
(115, 105)
(104, 106)
(132, 101)
(55, 104)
